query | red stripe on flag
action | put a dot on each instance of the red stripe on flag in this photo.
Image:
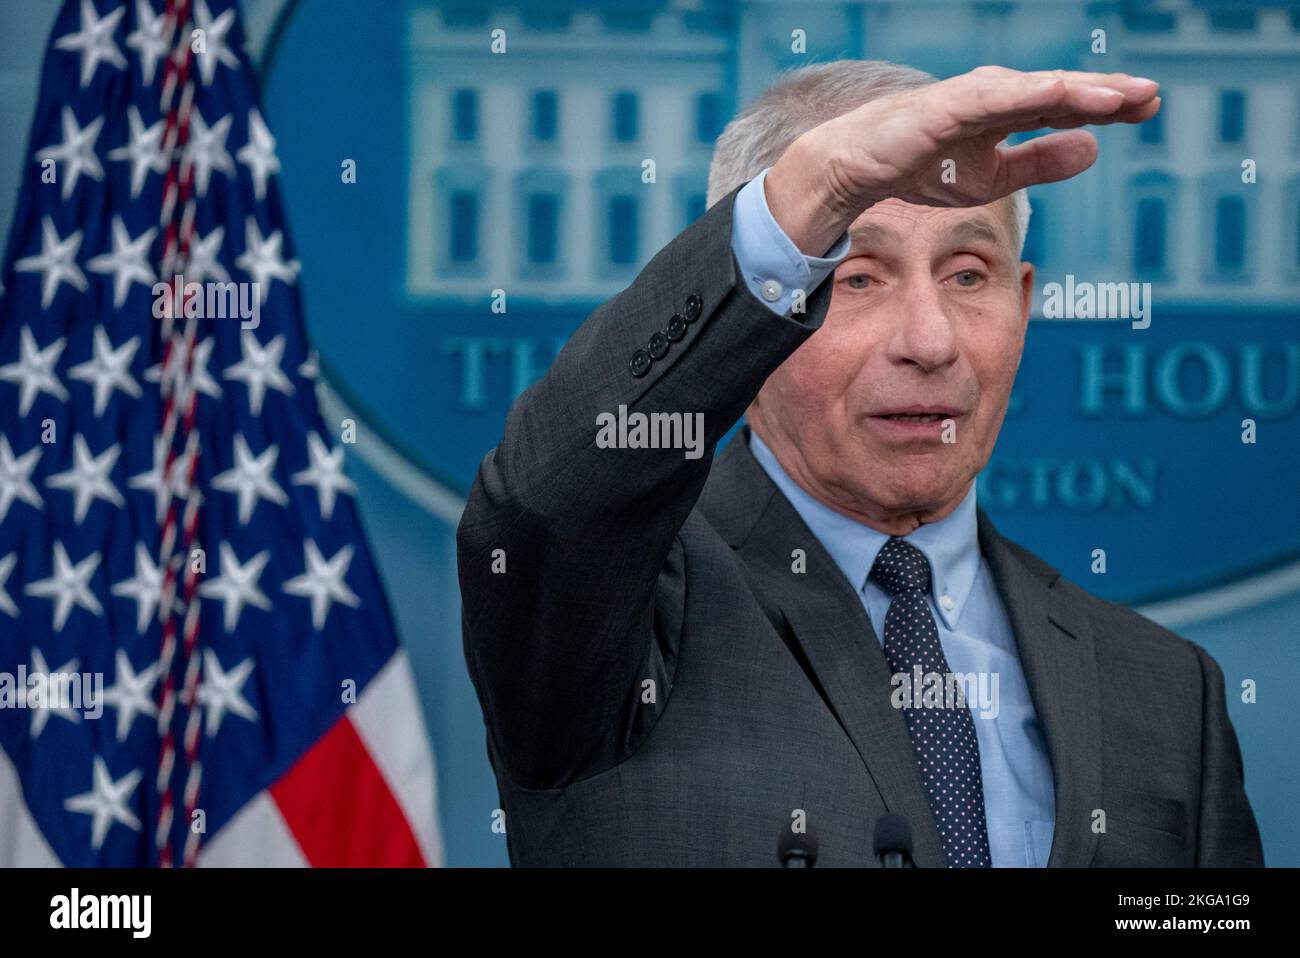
(339, 807)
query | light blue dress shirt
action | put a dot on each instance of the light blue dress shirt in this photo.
(976, 635)
(774, 267)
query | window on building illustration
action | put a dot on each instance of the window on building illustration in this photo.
(695, 206)
(1033, 250)
(1232, 20)
(1152, 131)
(461, 17)
(543, 227)
(708, 117)
(622, 229)
(1230, 232)
(1144, 20)
(625, 116)
(540, 18)
(1232, 116)
(545, 115)
(629, 19)
(464, 112)
(464, 226)
(1149, 236)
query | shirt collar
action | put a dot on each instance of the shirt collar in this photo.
(951, 545)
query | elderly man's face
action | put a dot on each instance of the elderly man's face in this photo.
(928, 312)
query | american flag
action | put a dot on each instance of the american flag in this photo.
(174, 516)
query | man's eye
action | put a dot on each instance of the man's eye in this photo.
(858, 281)
(967, 278)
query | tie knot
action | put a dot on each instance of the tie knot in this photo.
(901, 566)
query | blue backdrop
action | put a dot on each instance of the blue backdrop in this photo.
(502, 147)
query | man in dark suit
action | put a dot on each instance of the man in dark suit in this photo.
(683, 661)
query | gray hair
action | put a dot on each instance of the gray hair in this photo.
(803, 98)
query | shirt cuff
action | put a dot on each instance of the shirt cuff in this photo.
(775, 269)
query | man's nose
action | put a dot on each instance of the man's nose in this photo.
(925, 331)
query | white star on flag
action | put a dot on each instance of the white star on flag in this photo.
(200, 379)
(145, 590)
(260, 368)
(34, 371)
(325, 473)
(143, 150)
(7, 605)
(94, 40)
(106, 802)
(323, 582)
(53, 703)
(77, 151)
(206, 150)
(214, 41)
(88, 478)
(56, 262)
(179, 477)
(148, 39)
(158, 480)
(68, 586)
(309, 368)
(258, 154)
(237, 585)
(109, 369)
(128, 262)
(203, 262)
(262, 260)
(131, 694)
(251, 478)
(16, 477)
(220, 691)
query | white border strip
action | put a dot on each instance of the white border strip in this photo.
(427, 493)
(1224, 600)
(389, 721)
(22, 843)
(257, 837)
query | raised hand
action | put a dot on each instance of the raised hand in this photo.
(896, 146)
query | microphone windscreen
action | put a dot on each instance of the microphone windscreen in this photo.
(893, 834)
(798, 844)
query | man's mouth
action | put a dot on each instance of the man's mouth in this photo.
(919, 414)
(921, 417)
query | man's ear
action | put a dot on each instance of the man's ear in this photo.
(1026, 292)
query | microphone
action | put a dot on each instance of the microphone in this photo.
(797, 849)
(893, 841)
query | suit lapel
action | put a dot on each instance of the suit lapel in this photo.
(1055, 642)
(830, 629)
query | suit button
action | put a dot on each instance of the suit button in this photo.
(640, 364)
(693, 306)
(676, 328)
(658, 346)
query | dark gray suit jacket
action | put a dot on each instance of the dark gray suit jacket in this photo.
(660, 688)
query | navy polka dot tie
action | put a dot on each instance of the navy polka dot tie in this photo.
(944, 738)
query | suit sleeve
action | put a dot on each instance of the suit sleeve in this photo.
(1227, 835)
(562, 540)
